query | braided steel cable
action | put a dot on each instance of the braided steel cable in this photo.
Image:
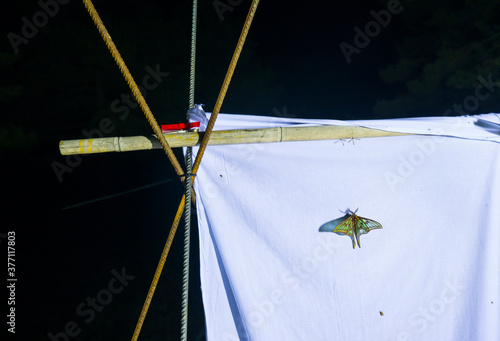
(199, 156)
(225, 84)
(189, 164)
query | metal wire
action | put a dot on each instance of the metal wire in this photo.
(225, 84)
(199, 156)
(152, 121)
(187, 212)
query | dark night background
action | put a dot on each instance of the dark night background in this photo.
(61, 83)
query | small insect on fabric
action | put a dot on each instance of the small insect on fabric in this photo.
(351, 225)
(349, 140)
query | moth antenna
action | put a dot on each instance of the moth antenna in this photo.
(347, 211)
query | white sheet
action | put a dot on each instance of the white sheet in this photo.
(431, 273)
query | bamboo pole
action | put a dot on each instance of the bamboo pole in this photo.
(220, 137)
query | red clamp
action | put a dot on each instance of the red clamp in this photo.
(170, 128)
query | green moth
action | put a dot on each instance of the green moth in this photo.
(351, 225)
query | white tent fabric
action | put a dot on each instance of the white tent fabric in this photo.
(431, 273)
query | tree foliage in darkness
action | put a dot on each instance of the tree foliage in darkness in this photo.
(448, 45)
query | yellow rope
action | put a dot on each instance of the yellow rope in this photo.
(199, 156)
(159, 269)
(225, 84)
(133, 86)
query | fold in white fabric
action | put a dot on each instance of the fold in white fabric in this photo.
(431, 273)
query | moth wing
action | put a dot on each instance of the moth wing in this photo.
(365, 225)
(331, 225)
(346, 227)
